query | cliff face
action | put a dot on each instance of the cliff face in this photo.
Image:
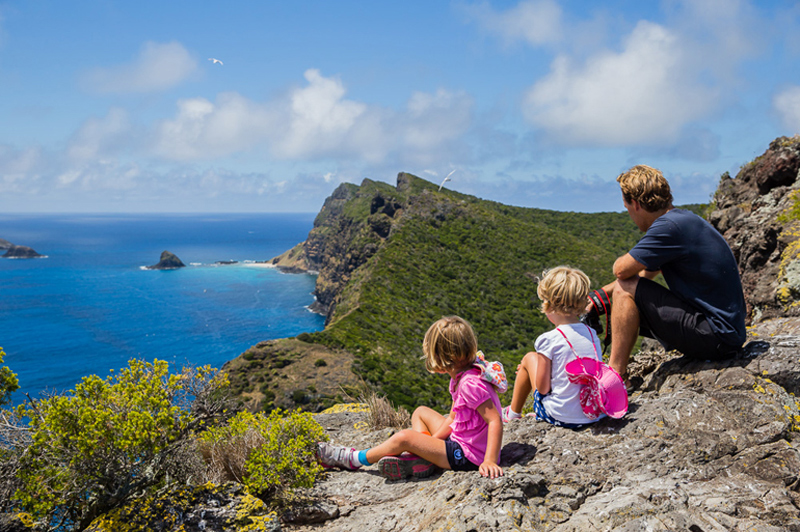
(344, 237)
(758, 213)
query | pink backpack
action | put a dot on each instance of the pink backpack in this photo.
(602, 389)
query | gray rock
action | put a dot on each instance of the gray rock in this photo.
(705, 446)
(168, 262)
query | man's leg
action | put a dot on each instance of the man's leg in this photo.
(624, 323)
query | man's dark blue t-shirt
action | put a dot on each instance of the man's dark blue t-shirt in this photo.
(699, 267)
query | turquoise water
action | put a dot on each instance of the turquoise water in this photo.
(90, 306)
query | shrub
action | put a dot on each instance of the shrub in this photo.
(299, 396)
(94, 448)
(320, 362)
(272, 455)
(8, 382)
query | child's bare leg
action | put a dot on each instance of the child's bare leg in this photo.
(523, 385)
(426, 419)
(427, 447)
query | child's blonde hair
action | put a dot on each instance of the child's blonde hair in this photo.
(564, 290)
(450, 343)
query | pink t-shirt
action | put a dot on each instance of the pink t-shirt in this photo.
(469, 429)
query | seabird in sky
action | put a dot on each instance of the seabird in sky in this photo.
(446, 179)
(213, 61)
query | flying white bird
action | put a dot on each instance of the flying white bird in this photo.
(446, 179)
(214, 61)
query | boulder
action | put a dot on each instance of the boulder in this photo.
(168, 262)
(759, 215)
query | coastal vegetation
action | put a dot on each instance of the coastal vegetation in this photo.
(392, 260)
(69, 459)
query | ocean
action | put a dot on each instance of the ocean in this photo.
(90, 305)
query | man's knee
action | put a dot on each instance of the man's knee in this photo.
(625, 288)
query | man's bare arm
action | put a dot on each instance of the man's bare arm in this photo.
(626, 267)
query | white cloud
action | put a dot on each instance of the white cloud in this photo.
(537, 22)
(641, 95)
(787, 104)
(313, 122)
(205, 130)
(21, 170)
(97, 136)
(157, 67)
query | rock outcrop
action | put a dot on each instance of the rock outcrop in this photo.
(209, 508)
(5, 244)
(168, 262)
(705, 447)
(20, 252)
(758, 213)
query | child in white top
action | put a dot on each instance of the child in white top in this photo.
(564, 292)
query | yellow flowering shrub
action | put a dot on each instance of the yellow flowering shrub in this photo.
(8, 382)
(272, 455)
(107, 440)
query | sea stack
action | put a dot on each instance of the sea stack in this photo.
(168, 262)
(20, 252)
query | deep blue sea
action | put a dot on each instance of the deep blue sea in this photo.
(90, 306)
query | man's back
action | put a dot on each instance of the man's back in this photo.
(698, 265)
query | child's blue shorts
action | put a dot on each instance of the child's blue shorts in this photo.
(456, 458)
(542, 415)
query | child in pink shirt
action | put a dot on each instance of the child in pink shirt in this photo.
(468, 439)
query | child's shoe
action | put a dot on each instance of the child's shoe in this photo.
(335, 456)
(508, 415)
(404, 466)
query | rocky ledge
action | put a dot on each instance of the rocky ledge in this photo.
(705, 447)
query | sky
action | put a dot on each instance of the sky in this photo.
(113, 106)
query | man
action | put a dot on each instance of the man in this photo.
(702, 312)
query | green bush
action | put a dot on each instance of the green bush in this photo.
(299, 396)
(94, 448)
(8, 382)
(272, 455)
(320, 362)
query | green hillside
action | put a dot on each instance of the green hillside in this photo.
(404, 256)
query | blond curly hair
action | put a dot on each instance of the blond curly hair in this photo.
(647, 186)
(564, 290)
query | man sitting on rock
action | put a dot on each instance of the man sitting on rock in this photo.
(702, 312)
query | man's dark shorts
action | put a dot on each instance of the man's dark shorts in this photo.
(677, 324)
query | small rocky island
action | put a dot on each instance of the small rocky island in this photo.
(18, 252)
(169, 261)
